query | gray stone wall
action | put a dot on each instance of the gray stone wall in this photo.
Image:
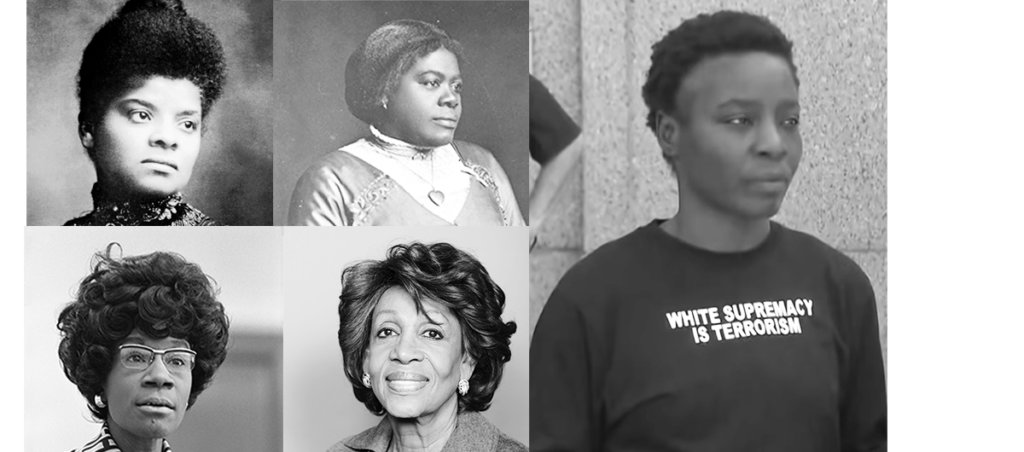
(594, 54)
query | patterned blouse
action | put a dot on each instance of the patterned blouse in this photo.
(169, 211)
(105, 443)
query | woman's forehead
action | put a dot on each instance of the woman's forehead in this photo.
(138, 337)
(441, 61)
(397, 302)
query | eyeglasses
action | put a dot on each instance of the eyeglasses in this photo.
(140, 357)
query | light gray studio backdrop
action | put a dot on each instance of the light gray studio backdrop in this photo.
(241, 410)
(232, 178)
(319, 406)
(314, 39)
(594, 55)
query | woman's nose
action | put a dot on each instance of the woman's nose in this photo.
(769, 142)
(164, 136)
(158, 374)
(449, 98)
(406, 350)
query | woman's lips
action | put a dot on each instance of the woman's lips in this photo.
(449, 123)
(405, 382)
(164, 164)
(156, 405)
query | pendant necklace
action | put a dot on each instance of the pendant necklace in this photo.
(436, 196)
(398, 149)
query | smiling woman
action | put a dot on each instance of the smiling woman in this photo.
(141, 341)
(148, 78)
(424, 344)
(405, 81)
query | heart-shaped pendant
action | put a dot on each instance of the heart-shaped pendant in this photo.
(436, 197)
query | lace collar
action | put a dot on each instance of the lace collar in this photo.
(134, 212)
(398, 148)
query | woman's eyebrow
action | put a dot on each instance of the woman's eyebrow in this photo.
(439, 74)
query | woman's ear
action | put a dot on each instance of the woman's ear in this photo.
(667, 129)
(467, 367)
(85, 135)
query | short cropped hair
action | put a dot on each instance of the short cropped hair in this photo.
(441, 273)
(148, 38)
(705, 36)
(161, 294)
(375, 67)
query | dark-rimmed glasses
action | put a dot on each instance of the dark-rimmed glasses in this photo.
(140, 357)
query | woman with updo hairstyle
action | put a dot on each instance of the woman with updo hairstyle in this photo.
(405, 82)
(141, 341)
(147, 81)
(424, 345)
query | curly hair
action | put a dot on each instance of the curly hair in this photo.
(148, 38)
(161, 294)
(375, 67)
(438, 272)
(705, 36)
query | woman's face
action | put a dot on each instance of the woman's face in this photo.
(415, 359)
(148, 403)
(148, 140)
(425, 106)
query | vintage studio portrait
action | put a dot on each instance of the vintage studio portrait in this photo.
(142, 341)
(149, 113)
(406, 339)
(401, 113)
(725, 288)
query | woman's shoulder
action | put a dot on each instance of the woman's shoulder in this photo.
(373, 439)
(475, 153)
(508, 444)
(342, 165)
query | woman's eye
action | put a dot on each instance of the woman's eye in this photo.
(190, 125)
(176, 362)
(457, 87)
(139, 116)
(433, 334)
(739, 121)
(432, 83)
(791, 122)
(386, 332)
(136, 357)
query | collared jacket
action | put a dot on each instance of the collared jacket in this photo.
(105, 443)
(472, 433)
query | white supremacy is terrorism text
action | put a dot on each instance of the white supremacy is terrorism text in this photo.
(740, 320)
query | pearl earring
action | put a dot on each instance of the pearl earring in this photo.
(463, 387)
(366, 379)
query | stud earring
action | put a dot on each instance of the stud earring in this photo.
(98, 401)
(366, 379)
(463, 387)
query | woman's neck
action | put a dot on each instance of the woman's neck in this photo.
(427, 433)
(708, 228)
(128, 442)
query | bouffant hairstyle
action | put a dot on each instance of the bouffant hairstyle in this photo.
(162, 295)
(440, 273)
(705, 36)
(148, 38)
(375, 67)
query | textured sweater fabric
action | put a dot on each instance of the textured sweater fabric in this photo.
(652, 344)
(472, 434)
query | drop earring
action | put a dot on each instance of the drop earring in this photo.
(98, 401)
